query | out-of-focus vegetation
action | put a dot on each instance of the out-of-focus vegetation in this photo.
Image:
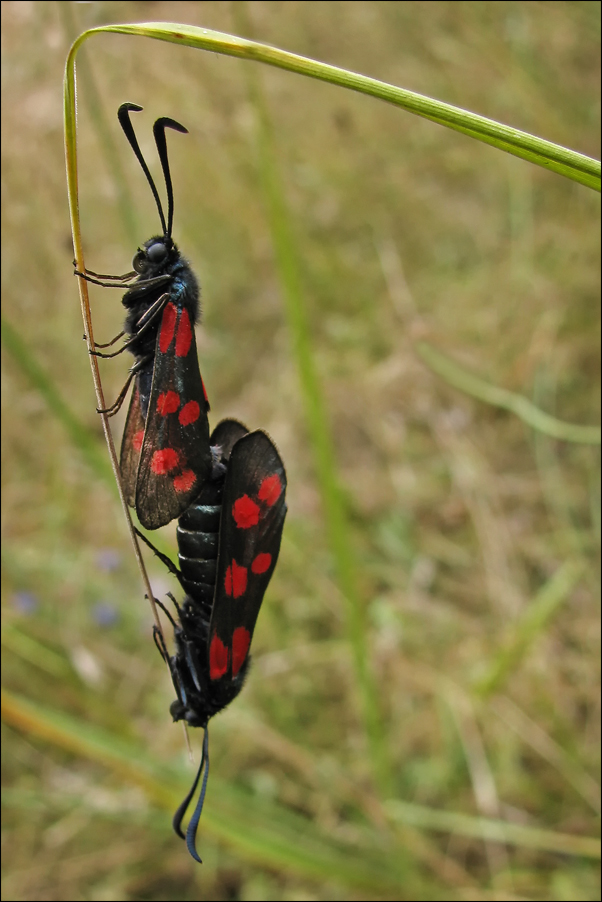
(474, 540)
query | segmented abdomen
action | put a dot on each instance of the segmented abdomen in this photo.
(198, 541)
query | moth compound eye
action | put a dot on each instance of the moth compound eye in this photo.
(156, 253)
(140, 262)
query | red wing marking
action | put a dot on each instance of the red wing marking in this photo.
(168, 325)
(218, 658)
(164, 461)
(189, 413)
(261, 563)
(168, 402)
(184, 335)
(137, 440)
(249, 539)
(235, 582)
(241, 639)
(270, 490)
(245, 512)
(185, 481)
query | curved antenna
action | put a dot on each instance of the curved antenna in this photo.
(194, 821)
(159, 133)
(123, 114)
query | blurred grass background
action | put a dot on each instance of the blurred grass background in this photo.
(475, 541)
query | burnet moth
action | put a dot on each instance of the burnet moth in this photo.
(228, 544)
(165, 454)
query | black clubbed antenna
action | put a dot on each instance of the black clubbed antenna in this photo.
(159, 133)
(123, 114)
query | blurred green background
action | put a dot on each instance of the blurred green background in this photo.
(474, 540)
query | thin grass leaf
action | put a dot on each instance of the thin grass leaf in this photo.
(543, 153)
(532, 734)
(529, 627)
(500, 397)
(337, 527)
(262, 831)
(100, 124)
(82, 437)
(35, 653)
(573, 540)
(493, 830)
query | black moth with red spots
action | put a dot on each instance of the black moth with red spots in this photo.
(165, 456)
(228, 544)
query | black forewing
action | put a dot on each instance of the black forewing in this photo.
(131, 445)
(253, 512)
(175, 458)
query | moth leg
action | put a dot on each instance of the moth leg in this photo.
(116, 406)
(166, 612)
(150, 316)
(107, 344)
(103, 280)
(162, 557)
(175, 604)
(139, 289)
(161, 647)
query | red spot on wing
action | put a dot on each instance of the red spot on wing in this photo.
(168, 402)
(164, 461)
(168, 325)
(137, 440)
(245, 512)
(261, 563)
(270, 490)
(235, 582)
(241, 639)
(189, 413)
(184, 335)
(218, 658)
(185, 481)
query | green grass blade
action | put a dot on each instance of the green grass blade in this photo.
(529, 627)
(127, 215)
(543, 153)
(80, 435)
(493, 830)
(261, 831)
(507, 400)
(317, 419)
(34, 652)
